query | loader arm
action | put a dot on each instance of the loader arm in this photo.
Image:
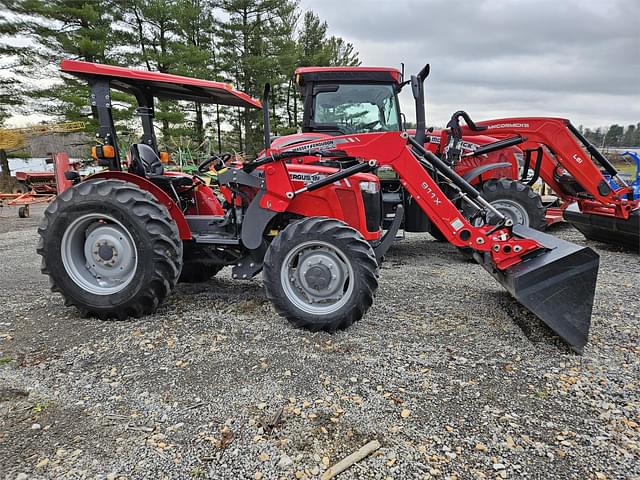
(554, 279)
(563, 144)
(392, 149)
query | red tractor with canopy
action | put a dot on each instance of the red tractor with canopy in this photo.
(115, 243)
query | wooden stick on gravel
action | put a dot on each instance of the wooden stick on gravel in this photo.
(346, 462)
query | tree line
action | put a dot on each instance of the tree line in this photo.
(242, 42)
(615, 136)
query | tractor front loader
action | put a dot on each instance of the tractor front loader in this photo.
(553, 278)
(114, 244)
(495, 156)
(573, 168)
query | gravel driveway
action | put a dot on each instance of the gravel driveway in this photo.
(450, 375)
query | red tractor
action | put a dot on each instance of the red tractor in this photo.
(116, 243)
(347, 100)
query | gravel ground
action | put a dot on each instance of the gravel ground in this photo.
(451, 376)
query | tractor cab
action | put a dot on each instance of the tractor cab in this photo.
(345, 100)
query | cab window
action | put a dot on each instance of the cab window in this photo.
(357, 108)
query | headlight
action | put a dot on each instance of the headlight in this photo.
(370, 187)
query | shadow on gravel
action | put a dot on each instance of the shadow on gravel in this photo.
(536, 331)
(222, 288)
(401, 250)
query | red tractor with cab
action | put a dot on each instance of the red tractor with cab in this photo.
(306, 214)
(503, 158)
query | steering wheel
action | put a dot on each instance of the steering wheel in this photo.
(370, 125)
(219, 162)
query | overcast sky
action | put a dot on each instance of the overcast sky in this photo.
(578, 59)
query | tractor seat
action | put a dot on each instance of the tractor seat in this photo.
(145, 163)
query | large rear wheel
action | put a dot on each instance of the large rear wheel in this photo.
(110, 249)
(320, 274)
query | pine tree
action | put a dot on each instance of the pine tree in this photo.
(629, 136)
(243, 42)
(249, 54)
(11, 96)
(613, 136)
(60, 29)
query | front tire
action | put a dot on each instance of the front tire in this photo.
(437, 235)
(320, 274)
(111, 249)
(516, 201)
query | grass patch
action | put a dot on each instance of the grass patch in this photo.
(542, 394)
(4, 360)
(41, 406)
(197, 472)
(626, 168)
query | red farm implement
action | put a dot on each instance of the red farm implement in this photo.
(39, 187)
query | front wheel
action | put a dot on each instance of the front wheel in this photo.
(516, 201)
(320, 274)
(110, 248)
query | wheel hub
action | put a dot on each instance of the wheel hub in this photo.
(104, 252)
(513, 211)
(510, 209)
(320, 274)
(99, 256)
(316, 277)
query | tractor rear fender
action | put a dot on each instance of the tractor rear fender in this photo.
(473, 174)
(157, 192)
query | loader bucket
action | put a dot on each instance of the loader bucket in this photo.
(602, 228)
(557, 285)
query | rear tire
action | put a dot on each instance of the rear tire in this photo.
(23, 212)
(111, 249)
(21, 187)
(516, 201)
(320, 274)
